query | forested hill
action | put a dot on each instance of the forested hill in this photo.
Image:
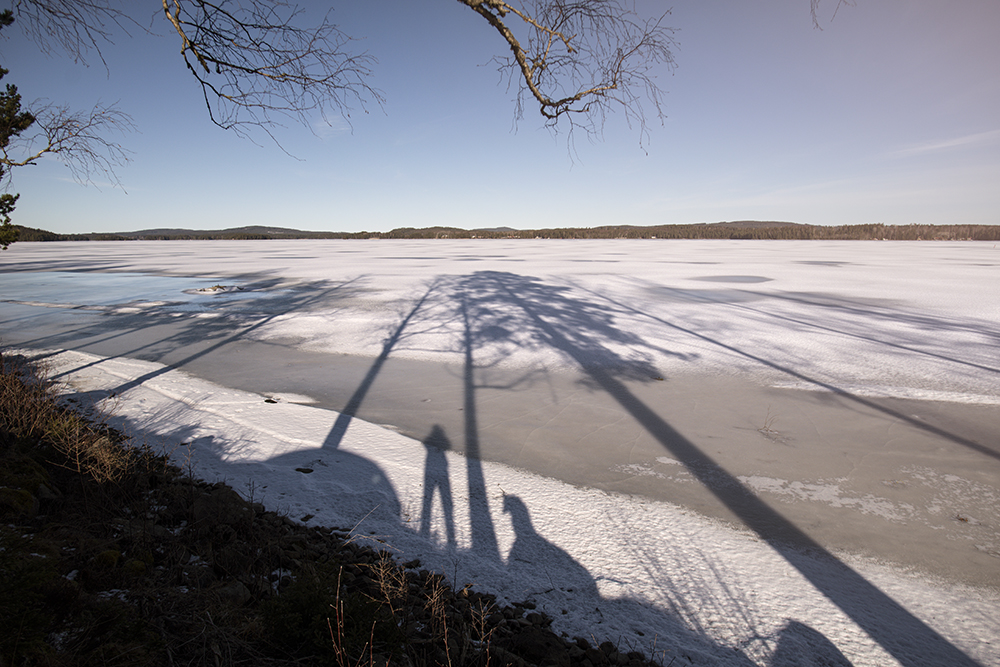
(743, 229)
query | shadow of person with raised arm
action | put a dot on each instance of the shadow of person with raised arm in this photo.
(436, 479)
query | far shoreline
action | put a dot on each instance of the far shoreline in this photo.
(735, 230)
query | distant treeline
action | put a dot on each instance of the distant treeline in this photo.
(31, 234)
(747, 229)
(732, 230)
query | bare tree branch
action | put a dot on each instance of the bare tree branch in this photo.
(250, 57)
(814, 10)
(74, 26)
(581, 59)
(578, 60)
(82, 140)
(253, 62)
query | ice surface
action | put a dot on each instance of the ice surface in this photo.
(914, 320)
(838, 398)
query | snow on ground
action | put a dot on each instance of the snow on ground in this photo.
(911, 321)
(649, 575)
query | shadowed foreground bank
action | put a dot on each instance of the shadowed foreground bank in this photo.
(114, 556)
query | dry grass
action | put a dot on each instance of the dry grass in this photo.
(31, 411)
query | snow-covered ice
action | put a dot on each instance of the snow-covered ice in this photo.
(811, 398)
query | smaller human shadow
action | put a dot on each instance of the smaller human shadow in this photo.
(798, 644)
(436, 478)
(532, 555)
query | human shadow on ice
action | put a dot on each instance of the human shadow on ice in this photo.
(582, 331)
(436, 478)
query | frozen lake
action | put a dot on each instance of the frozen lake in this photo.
(838, 398)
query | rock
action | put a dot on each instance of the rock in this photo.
(45, 493)
(17, 503)
(233, 592)
(596, 657)
(539, 619)
(222, 506)
(538, 646)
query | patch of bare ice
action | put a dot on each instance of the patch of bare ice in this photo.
(830, 493)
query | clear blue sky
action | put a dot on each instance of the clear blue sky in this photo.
(890, 113)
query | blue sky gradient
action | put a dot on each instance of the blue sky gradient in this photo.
(890, 113)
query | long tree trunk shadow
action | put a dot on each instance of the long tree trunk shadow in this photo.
(910, 349)
(350, 410)
(895, 414)
(881, 617)
(484, 538)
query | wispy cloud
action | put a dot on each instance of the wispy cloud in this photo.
(977, 139)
